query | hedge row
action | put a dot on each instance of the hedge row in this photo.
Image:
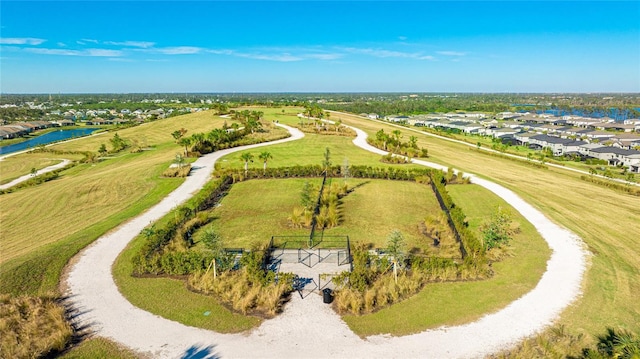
(152, 257)
(470, 245)
(391, 173)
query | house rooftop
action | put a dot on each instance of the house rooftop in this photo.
(552, 139)
(616, 150)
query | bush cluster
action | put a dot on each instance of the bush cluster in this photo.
(390, 173)
(32, 327)
(155, 258)
(250, 290)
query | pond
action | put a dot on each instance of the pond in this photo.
(46, 139)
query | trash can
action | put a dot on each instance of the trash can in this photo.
(327, 296)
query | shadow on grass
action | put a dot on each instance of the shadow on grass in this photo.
(197, 352)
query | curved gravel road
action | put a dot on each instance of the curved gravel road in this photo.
(308, 328)
(30, 176)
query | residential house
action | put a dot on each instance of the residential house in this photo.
(616, 156)
(587, 147)
(556, 144)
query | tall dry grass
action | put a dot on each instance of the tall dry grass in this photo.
(31, 327)
(236, 290)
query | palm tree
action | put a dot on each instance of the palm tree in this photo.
(186, 142)
(197, 139)
(265, 156)
(246, 157)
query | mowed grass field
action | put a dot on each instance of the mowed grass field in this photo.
(43, 226)
(13, 167)
(461, 302)
(255, 210)
(607, 221)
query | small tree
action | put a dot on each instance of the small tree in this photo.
(179, 160)
(117, 142)
(413, 141)
(102, 150)
(326, 162)
(396, 249)
(213, 242)
(306, 196)
(345, 169)
(34, 172)
(498, 230)
(177, 134)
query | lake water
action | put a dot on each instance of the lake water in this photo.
(46, 139)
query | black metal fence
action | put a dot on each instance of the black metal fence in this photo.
(296, 249)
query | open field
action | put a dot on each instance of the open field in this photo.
(151, 133)
(461, 302)
(608, 222)
(309, 151)
(369, 213)
(13, 167)
(49, 223)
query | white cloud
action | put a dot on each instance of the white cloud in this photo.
(141, 44)
(285, 57)
(221, 52)
(178, 50)
(326, 56)
(63, 52)
(61, 44)
(68, 52)
(21, 41)
(120, 59)
(103, 53)
(451, 53)
(388, 53)
(278, 55)
(402, 38)
(89, 40)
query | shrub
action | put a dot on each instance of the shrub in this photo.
(177, 171)
(32, 327)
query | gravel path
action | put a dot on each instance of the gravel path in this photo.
(308, 328)
(30, 176)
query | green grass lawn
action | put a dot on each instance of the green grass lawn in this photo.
(42, 233)
(461, 302)
(13, 167)
(171, 299)
(309, 151)
(98, 348)
(44, 226)
(608, 222)
(253, 211)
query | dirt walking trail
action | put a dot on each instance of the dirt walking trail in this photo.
(307, 327)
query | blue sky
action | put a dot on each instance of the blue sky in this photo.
(323, 46)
